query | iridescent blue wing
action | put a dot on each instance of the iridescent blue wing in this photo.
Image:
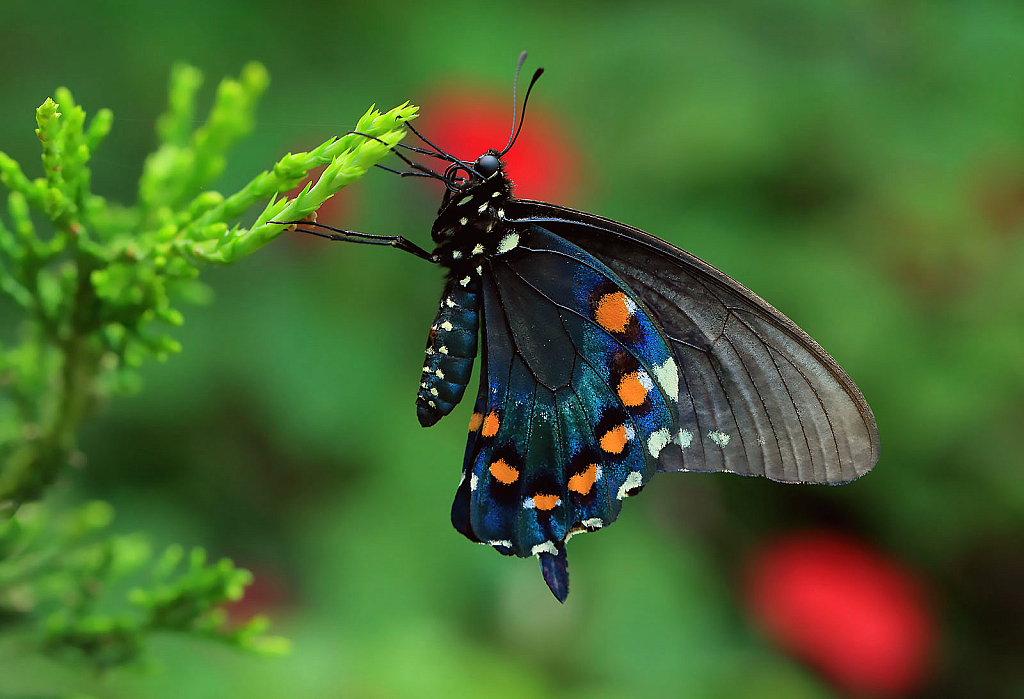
(758, 395)
(577, 404)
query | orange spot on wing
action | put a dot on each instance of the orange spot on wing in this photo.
(475, 420)
(545, 502)
(503, 472)
(612, 313)
(614, 440)
(491, 425)
(631, 391)
(583, 482)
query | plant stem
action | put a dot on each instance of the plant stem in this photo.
(37, 462)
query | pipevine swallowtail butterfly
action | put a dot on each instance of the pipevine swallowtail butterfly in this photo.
(608, 355)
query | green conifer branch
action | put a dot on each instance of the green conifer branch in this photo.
(57, 569)
(96, 282)
(103, 283)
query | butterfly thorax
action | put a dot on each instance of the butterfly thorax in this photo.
(471, 224)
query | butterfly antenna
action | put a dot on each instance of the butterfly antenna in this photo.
(515, 130)
(515, 102)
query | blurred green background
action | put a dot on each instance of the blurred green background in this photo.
(858, 164)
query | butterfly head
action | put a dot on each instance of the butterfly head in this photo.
(471, 220)
(464, 176)
(472, 207)
(487, 165)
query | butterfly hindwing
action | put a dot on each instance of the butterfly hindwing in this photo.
(576, 403)
(611, 331)
(757, 395)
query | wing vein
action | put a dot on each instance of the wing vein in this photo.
(587, 320)
(764, 405)
(593, 435)
(810, 385)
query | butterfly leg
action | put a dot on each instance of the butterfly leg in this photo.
(421, 171)
(344, 236)
(406, 173)
(555, 569)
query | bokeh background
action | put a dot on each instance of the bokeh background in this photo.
(858, 164)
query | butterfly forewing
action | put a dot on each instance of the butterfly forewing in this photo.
(758, 396)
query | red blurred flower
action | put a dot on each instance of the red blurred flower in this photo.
(846, 609)
(544, 163)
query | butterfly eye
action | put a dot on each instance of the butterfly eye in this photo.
(486, 165)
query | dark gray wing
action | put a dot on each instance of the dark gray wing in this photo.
(762, 398)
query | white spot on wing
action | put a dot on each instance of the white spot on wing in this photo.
(658, 441)
(443, 349)
(465, 200)
(482, 208)
(478, 249)
(546, 547)
(439, 374)
(668, 378)
(593, 523)
(463, 220)
(473, 480)
(456, 254)
(630, 433)
(719, 438)
(634, 480)
(449, 302)
(684, 438)
(508, 242)
(447, 325)
(500, 542)
(464, 281)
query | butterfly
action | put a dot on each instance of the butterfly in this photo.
(607, 356)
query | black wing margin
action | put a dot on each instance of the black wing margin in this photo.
(761, 397)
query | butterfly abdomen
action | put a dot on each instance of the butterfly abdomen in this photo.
(451, 349)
